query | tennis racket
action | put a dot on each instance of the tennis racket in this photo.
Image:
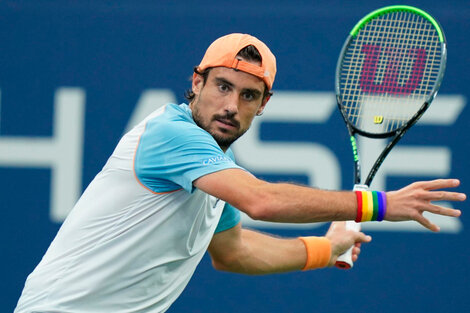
(388, 73)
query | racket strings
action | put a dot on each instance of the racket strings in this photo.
(389, 70)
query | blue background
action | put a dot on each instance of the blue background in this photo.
(116, 49)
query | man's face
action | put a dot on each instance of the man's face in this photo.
(226, 105)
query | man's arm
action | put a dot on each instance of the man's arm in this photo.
(249, 252)
(298, 204)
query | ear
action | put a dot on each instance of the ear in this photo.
(198, 82)
(263, 105)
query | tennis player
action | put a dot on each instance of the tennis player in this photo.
(171, 190)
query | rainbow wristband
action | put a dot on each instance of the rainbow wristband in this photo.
(371, 206)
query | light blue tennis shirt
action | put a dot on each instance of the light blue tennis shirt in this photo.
(138, 232)
(174, 151)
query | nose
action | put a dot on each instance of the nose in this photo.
(231, 105)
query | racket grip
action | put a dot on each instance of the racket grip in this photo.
(344, 261)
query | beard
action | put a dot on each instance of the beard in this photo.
(205, 123)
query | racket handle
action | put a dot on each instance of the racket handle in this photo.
(344, 261)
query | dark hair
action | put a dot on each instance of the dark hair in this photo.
(249, 53)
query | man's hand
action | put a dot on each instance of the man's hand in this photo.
(410, 202)
(342, 239)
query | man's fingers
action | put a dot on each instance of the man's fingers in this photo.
(338, 225)
(433, 194)
(410, 202)
(356, 250)
(355, 253)
(436, 209)
(361, 237)
(427, 223)
(443, 196)
(438, 184)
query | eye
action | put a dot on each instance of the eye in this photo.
(224, 87)
(248, 96)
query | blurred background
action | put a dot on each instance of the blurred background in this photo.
(75, 75)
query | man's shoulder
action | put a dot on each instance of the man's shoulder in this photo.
(176, 120)
(175, 126)
(177, 112)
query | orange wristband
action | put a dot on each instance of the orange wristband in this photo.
(318, 252)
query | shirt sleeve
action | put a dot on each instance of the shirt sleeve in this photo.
(230, 218)
(172, 154)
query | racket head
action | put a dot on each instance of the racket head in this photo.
(389, 70)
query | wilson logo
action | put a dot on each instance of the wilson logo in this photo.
(378, 119)
(395, 60)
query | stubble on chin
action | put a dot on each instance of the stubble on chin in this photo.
(224, 142)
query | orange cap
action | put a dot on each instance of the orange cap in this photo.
(224, 50)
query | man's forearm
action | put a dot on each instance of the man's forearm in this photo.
(290, 203)
(280, 202)
(248, 252)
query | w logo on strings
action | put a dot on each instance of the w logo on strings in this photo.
(399, 63)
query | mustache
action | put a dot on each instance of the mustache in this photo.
(227, 118)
